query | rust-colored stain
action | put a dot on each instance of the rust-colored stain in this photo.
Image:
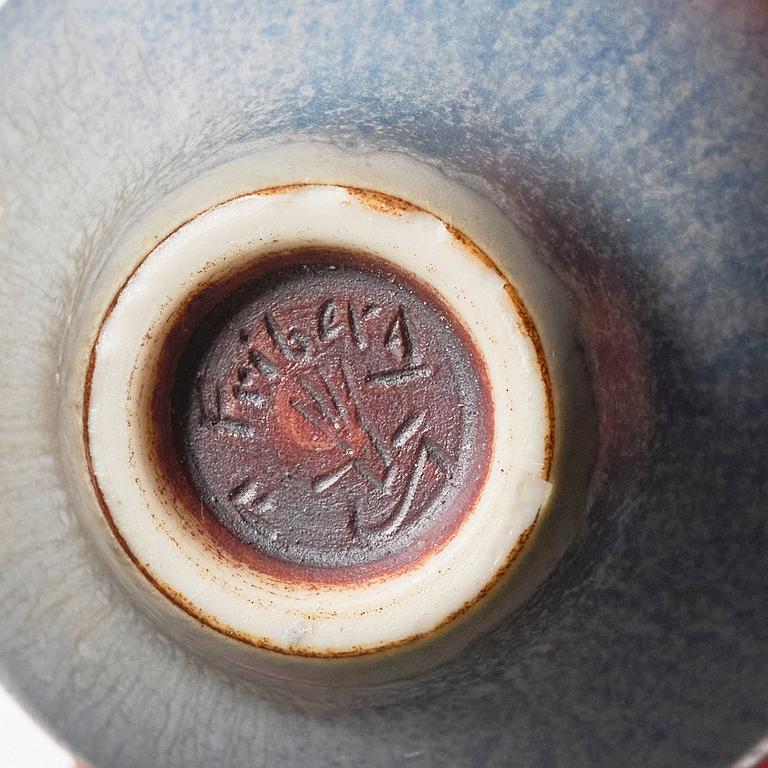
(223, 542)
(472, 248)
(269, 191)
(530, 330)
(382, 203)
(533, 334)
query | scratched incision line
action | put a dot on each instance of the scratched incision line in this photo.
(328, 425)
(329, 415)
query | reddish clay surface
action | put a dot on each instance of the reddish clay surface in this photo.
(325, 415)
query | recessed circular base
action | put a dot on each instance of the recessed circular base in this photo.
(332, 414)
(319, 420)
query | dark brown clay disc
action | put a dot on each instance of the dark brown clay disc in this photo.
(333, 415)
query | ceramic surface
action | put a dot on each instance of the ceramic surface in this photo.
(627, 143)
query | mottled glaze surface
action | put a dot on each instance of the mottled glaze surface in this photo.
(627, 141)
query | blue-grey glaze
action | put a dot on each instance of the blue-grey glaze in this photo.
(628, 142)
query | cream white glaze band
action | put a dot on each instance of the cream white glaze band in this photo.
(291, 617)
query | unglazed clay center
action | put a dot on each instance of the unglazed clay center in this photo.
(330, 412)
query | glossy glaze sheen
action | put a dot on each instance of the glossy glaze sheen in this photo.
(627, 140)
(331, 413)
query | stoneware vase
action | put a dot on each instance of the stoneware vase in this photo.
(612, 158)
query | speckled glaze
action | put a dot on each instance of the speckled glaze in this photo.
(627, 142)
